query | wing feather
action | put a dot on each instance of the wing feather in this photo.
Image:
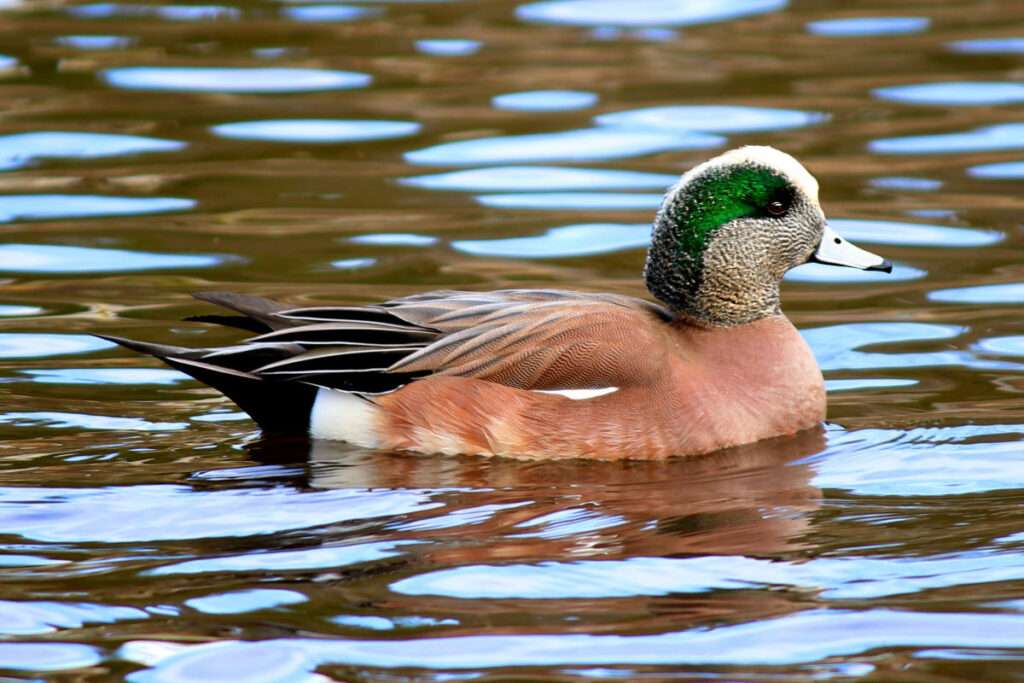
(529, 339)
(577, 342)
(335, 359)
(356, 333)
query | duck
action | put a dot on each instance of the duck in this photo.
(712, 363)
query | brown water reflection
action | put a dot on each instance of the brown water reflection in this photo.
(713, 505)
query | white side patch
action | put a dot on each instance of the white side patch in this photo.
(579, 394)
(341, 416)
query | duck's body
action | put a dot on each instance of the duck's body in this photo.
(546, 373)
(695, 401)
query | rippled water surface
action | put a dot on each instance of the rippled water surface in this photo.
(346, 152)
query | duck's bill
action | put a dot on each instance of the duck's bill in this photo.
(837, 251)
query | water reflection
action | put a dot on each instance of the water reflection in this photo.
(394, 239)
(240, 602)
(1003, 346)
(233, 80)
(41, 345)
(985, 46)
(15, 311)
(46, 206)
(316, 130)
(805, 637)
(712, 118)
(960, 460)
(30, 618)
(540, 179)
(93, 42)
(448, 47)
(353, 263)
(967, 93)
(906, 183)
(589, 144)
(987, 138)
(648, 34)
(763, 500)
(838, 347)
(290, 560)
(63, 420)
(834, 385)
(115, 376)
(831, 578)
(868, 26)
(389, 624)
(569, 240)
(1008, 293)
(111, 10)
(913, 234)
(587, 201)
(22, 149)
(650, 13)
(327, 13)
(118, 514)
(47, 656)
(54, 258)
(1003, 170)
(545, 100)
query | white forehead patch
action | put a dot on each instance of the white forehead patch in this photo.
(758, 155)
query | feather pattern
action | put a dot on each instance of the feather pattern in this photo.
(527, 339)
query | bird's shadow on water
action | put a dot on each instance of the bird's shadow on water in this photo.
(754, 500)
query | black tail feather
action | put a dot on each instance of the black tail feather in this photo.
(339, 313)
(275, 376)
(278, 407)
(151, 349)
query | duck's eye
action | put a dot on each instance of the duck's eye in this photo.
(777, 207)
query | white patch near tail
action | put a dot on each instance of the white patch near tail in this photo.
(340, 416)
(579, 394)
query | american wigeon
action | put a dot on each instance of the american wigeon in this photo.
(548, 373)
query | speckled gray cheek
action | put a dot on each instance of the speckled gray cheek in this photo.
(800, 233)
(740, 283)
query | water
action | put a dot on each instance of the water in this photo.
(545, 100)
(868, 26)
(347, 152)
(316, 130)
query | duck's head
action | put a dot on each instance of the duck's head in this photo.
(730, 229)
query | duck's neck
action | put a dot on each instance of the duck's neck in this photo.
(729, 283)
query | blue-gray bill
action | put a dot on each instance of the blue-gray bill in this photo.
(837, 251)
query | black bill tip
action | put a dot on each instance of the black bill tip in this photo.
(885, 266)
